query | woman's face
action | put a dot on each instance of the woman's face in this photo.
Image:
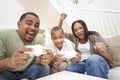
(79, 30)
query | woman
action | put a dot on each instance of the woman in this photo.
(95, 53)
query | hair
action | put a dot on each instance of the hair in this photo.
(87, 33)
(27, 13)
(57, 28)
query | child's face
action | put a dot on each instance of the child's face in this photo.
(58, 39)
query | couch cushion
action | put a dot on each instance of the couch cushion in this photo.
(114, 43)
(114, 73)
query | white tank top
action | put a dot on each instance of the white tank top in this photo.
(84, 49)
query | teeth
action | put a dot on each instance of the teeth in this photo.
(30, 32)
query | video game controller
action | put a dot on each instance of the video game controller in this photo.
(37, 50)
(69, 54)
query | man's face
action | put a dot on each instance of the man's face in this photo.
(28, 28)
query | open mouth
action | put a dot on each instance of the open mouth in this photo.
(30, 34)
(81, 35)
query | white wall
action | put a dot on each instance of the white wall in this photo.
(102, 16)
(48, 14)
(10, 11)
(106, 23)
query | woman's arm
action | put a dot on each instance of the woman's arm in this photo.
(102, 49)
(61, 19)
(99, 45)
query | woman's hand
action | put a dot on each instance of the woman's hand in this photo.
(63, 16)
(100, 47)
(61, 19)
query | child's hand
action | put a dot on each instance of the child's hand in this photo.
(60, 58)
(76, 58)
(43, 59)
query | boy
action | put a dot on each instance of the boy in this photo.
(63, 50)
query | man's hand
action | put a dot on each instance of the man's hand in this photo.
(18, 59)
(44, 59)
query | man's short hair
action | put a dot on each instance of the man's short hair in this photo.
(31, 13)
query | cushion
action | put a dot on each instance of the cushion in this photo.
(114, 73)
(116, 56)
(114, 43)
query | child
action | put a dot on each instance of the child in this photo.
(63, 50)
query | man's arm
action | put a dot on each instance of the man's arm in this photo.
(17, 60)
(4, 64)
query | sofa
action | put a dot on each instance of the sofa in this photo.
(114, 43)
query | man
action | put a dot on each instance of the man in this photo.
(14, 63)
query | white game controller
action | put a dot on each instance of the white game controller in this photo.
(37, 50)
(69, 54)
